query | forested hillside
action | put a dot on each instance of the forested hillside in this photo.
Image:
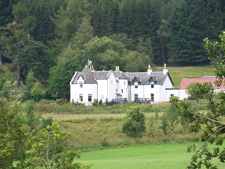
(50, 39)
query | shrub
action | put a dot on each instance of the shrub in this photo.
(5, 92)
(95, 102)
(29, 83)
(134, 124)
(36, 92)
(46, 122)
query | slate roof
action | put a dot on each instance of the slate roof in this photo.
(185, 82)
(87, 75)
(120, 75)
(143, 78)
(101, 75)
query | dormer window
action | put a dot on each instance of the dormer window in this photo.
(152, 84)
(136, 84)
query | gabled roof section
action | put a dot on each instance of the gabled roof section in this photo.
(186, 82)
(80, 76)
(136, 79)
(153, 79)
(170, 78)
(87, 75)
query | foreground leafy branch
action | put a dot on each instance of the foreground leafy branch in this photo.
(49, 149)
(210, 123)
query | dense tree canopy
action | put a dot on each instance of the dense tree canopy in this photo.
(42, 33)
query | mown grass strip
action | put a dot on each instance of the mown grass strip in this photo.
(163, 156)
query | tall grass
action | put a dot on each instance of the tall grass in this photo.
(88, 134)
(68, 108)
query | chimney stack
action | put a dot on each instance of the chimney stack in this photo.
(165, 70)
(117, 68)
(149, 70)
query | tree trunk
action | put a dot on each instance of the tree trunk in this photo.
(18, 76)
(0, 60)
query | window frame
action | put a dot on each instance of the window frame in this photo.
(89, 96)
(152, 97)
(81, 98)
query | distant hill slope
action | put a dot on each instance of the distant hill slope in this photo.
(178, 73)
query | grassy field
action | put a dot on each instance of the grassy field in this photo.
(100, 127)
(178, 73)
(165, 156)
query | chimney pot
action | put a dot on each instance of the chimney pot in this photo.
(149, 70)
(165, 70)
(164, 65)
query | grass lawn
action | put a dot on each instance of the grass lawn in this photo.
(165, 156)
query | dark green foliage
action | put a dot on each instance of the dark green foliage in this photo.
(49, 150)
(134, 124)
(95, 102)
(199, 91)
(46, 122)
(6, 12)
(104, 19)
(33, 57)
(5, 92)
(60, 76)
(44, 29)
(172, 118)
(36, 92)
(31, 119)
(165, 124)
(29, 83)
(12, 135)
(46, 148)
(191, 23)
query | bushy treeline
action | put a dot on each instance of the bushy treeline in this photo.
(27, 142)
(54, 38)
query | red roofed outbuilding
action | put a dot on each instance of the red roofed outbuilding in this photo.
(187, 81)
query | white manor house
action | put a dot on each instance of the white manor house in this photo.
(88, 85)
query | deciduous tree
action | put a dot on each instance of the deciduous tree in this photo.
(13, 135)
(49, 150)
(211, 122)
(134, 124)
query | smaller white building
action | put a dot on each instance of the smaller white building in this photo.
(88, 85)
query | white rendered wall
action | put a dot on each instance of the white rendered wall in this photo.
(112, 86)
(167, 84)
(145, 91)
(156, 91)
(102, 90)
(85, 91)
(138, 91)
(183, 94)
(172, 91)
(123, 85)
